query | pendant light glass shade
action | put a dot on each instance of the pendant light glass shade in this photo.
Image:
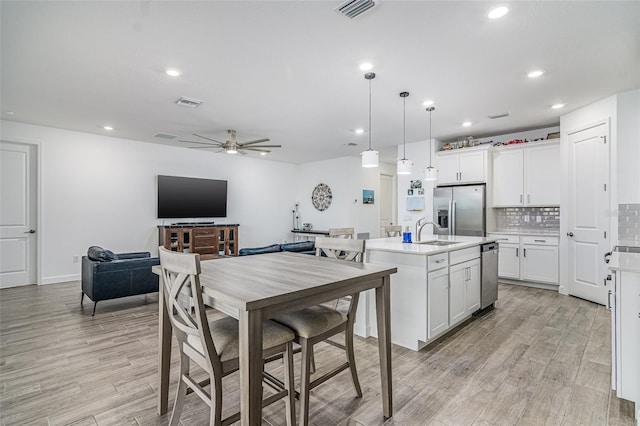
(404, 166)
(430, 173)
(370, 156)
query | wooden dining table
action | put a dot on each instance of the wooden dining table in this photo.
(255, 288)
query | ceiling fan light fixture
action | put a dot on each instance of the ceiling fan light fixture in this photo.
(370, 156)
(231, 151)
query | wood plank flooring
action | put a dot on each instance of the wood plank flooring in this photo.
(539, 358)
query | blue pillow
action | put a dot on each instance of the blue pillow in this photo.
(98, 254)
(273, 248)
(299, 246)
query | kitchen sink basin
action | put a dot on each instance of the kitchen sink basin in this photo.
(436, 242)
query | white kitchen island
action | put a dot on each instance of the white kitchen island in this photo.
(435, 289)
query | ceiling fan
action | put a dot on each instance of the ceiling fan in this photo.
(232, 146)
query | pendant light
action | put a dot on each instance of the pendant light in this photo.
(404, 165)
(370, 156)
(430, 172)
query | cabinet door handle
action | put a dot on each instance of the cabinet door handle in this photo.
(460, 176)
(521, 198)
(540, 241)
(524, 252)
(439, 260)
(517, 252)
(609, 300)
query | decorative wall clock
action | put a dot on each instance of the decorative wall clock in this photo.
(321, 197)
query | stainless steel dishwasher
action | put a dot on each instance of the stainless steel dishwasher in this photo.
(489, 271)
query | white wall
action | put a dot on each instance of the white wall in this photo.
(418, 153)
(628, 174)
(346, 178)
(98, 190)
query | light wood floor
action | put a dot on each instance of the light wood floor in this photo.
(539, 358)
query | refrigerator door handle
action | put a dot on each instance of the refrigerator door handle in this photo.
(452, 226)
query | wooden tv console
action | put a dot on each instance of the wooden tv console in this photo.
(210, 241)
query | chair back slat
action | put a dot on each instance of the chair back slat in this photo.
(181, 281)
(348, 233)
(392, 230)
(342, 249)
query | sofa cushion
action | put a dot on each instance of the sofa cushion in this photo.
(273, 248)
(98, 254)
(299, 246)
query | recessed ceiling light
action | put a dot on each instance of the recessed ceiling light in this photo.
(466, 124)
(557, 106)
(498, 12)
(174, 72)
(108, 128)
(359, 131)
(535, 73)
(365, 66)
(427, 103)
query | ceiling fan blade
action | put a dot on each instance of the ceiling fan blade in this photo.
(256, 149)
(265, 146)
(204, 147)
(209, 139)
(256, 141)
(200, 143)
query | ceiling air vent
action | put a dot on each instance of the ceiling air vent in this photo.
(189, 102)
(504, 114)
(353, 8)
(165, 136)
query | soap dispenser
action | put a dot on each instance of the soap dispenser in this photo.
(406, 236)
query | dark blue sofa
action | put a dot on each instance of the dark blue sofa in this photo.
(306, 247)
(106, 275)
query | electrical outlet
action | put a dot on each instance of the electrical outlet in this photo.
(76, 259)
(538, 219)
(526, 218)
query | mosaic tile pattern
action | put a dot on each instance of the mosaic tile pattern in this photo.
(629, 222)
(536, 219)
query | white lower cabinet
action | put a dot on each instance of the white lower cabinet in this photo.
(464, 290)
(624, 302)
(540, 263)
(438, 301)
(428, 296)
(528, 258)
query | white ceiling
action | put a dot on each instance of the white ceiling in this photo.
(288, 70)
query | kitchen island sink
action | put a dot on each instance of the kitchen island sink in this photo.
(436, 242)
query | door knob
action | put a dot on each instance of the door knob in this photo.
(30, 231)
(569, 234)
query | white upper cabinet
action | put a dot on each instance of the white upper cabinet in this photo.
(508, 177)
(527, 176)
(462, 166)
(542, 175)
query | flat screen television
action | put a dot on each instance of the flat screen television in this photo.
(183, 197)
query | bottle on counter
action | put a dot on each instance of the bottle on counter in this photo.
(406, 236)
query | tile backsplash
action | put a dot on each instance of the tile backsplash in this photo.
(541, 219)
(629, 222)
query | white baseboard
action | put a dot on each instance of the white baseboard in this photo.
(544, 286)
(60, 279)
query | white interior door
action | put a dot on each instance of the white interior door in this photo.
(17, 214)
(386, 201)
(588, 222)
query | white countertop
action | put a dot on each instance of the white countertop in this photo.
(625, 262)
(395, 244)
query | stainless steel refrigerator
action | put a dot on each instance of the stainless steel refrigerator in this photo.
(460, 210)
